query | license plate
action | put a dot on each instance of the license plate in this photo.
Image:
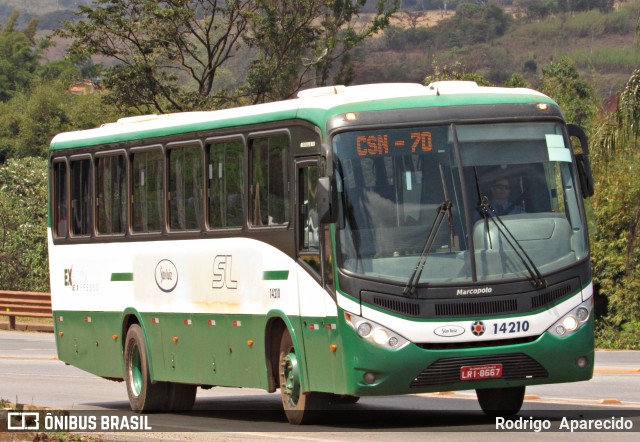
(475, 372)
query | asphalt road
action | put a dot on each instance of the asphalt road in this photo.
(31, 374)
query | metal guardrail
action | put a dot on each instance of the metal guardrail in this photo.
(24, 304)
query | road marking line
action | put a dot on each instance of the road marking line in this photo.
(609, 401)
(605, 370)
(545, 400)
(17, 358)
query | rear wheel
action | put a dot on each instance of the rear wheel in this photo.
(181, 396)
(343, 399)
(300, 408)
(501, 401)
(144, 396)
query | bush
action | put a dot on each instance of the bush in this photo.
(624, 337)
(23, 225)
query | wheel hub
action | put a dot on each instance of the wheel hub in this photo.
(290, 384)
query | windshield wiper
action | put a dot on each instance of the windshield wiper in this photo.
(537, 279)
(484, 207)
(443, 209)
(412, 286)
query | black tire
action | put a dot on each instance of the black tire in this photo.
(501, 401)
(300, 408)
(181, 396)
(144, 396)
(343, 399)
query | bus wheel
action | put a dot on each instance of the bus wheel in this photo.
(300, 408)
(501, 401)
(343, 399)
(181, 396)
(144, 396)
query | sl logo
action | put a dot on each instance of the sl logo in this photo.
(222, 273)
(478, 328)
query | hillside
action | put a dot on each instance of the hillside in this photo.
(601, 44)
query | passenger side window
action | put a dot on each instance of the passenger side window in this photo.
(185, 188)
(81, 197)
(111, 194)
(269, 181)
(60, 194)
(226, 182)
(147, 179)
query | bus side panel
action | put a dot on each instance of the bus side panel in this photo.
(203, 305)
(323, 361)
(90, 341)
(208, 349)
(87, 328)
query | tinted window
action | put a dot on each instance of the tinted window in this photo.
(226, 180)
(147, 178)
(80, 197)
(185, 188)
(269, 181)
(111, 193)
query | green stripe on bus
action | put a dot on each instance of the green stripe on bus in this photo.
(121, 277)
(275, 275)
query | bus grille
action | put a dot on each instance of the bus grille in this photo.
(550, 296)
(475, 344)
(477, 308)
(515, 366)
(407, 308)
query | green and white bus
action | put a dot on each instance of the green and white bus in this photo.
(354, 241)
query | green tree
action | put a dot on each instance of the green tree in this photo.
(23, 225)
(169, 52)
(616, 243)
(281, 32)
(538, 9)
(476, 23)
(18, 57)
(517, 80)
(160, 45)
(561, 81)
(455, 72)
(31, 119)
(342, 28)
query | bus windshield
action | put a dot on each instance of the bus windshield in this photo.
(510, 195)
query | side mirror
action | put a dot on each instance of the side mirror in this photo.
(582, 161)
(326, 201)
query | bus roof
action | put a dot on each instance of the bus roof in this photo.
(315, 105)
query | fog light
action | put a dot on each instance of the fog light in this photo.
(369, 378)
(570, 323)
(582, 361)
(364, 329)
(560, 330)
(583, 314)
(380, 337)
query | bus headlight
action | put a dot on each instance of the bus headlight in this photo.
(375, 333)
(573, 320)
(364, 329)
(570, 323)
